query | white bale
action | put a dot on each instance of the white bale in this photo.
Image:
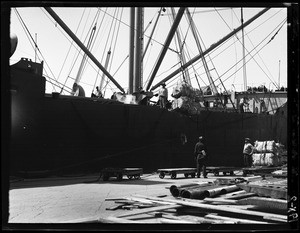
(265, 147)
(265, 159)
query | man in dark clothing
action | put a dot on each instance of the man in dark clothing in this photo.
(200, 153)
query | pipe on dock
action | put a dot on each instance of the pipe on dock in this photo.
(193, 194)
(220, 191)
(175, 190)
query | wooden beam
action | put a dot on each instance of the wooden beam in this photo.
(200, 204)
(234, 220)
(148, 210)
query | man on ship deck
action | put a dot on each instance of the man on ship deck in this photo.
(163, 96)
(78, 90)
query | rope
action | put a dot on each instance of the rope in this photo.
(35, 45)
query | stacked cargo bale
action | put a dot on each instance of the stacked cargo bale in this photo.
(187, 98)
(266, 153)
(282, 153)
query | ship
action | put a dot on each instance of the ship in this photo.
(55, 133)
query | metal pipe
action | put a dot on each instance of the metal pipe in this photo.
(196, 192)
(213, 46)
(220, 190)
(166, 45)
(176, 190)
(79, 43)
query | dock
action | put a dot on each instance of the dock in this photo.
(90, 199)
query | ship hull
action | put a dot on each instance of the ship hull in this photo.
(61, 134)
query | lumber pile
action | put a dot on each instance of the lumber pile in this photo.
(208, 202)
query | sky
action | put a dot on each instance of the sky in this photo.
(266, 63)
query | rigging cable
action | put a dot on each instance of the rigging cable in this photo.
(252, 56)
(188, 54)
(251, 42)
(62, 88)
(253, 45)
(145, 35)
(116, 39)
(35, 45)
(98, 70)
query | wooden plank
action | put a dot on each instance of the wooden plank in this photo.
(265, 190)
(190, 219)
(147, 210)
(112, 219)
(263, 202)
(176, 221)
(200, 204)
(234, 220)
(233, 194)
(219, 199)
(143, 200)
(241, 196)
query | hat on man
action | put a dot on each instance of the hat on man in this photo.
(247, 139)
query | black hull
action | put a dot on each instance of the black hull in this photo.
(72, 134)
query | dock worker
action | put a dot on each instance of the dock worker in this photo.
(78, 90)
(98, 93)
(163, 96)
(200, 154)
(247, 152)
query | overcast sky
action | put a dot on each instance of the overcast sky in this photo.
(267, 64)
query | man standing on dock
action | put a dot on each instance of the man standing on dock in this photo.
(248, 151)
(200, 153)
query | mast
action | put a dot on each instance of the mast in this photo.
(181, 54)
(131, 50)
(79, 43)
(211, 82)
(138, 76)
(279, 76)
(213, 46)
(166, 45)
(105, 66)
(35, 47)
(84, 59)
(244, 57)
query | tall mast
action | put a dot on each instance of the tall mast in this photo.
(138, 75)
(105, 66)
(244, 58)
(279, 76)
(84, 59)
(131, 50)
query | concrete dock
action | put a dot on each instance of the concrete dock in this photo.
(87, 198)
(69, 199)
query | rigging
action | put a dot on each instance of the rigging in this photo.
(35, 47)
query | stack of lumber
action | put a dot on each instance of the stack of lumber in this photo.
(235, 206)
